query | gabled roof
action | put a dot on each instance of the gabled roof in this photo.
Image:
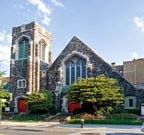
(101, 67)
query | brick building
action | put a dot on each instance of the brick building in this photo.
(134, 72)
(32, 68)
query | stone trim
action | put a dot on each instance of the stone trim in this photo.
(16, 102)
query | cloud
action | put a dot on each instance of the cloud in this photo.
(134, 55)
(44, 9)
(5, 54)
(139, 22)
(41, 6)
(9, 38)
(5, 40)
(46, 20)
(2, 36)
(57, 3)
(5, 37)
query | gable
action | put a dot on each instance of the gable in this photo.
(95, 65)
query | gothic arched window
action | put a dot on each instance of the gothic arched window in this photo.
(42, 47)
(23, 48)
(75, 67)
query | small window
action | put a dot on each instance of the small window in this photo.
(131, 103)
(43, 74)
(21, 83)
(42, 47)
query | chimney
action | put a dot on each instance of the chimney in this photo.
(113, 64)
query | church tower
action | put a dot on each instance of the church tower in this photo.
(30, 59)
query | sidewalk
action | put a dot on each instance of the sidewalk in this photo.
(29, 124)
(96, 127)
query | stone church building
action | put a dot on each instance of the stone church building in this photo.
(31, 67)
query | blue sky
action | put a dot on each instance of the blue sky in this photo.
(114, 29)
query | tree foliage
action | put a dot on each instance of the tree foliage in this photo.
(2, 73)
(39, 102)
(101, 93)
(4, 95)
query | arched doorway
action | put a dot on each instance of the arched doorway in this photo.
(22, 105)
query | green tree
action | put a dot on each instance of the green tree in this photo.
(4, 95)
(39, 102)
(99, 94)
(2, 73)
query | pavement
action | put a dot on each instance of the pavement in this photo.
(97, 128)
(29, 124)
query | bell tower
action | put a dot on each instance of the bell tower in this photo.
(30, 59)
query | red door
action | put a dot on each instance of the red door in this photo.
(22, 105)
(72, 105)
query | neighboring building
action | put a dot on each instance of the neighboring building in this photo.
(118, 68)
(134, 72)
(31, 67)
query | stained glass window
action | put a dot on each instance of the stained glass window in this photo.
(23, 48)
(75, 68)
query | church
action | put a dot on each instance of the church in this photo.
(31, 67)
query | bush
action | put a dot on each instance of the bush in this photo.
(134, 111)
(123, 116)
(108, 121)
(39, 102)
(29, 117)
(87, 116)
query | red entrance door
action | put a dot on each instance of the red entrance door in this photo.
(72, 105)
(22, 105)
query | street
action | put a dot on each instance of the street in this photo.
(15, 128)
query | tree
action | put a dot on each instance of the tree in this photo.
(99, 94)
(39, 102)
(2, 73)
(4, 95)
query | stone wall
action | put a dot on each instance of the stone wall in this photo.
(96, 66)
(31, 67)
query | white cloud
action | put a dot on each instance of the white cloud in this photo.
(46, 20)
(5, 48)
(9, 38)
(2, 36)
(134, 55)
(5, 37)
(4, 54)
(41, 6)
(44, 9)
(57, 3)
(139, 22)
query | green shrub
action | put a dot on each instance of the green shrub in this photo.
(108, 121)
(123, 116)
(29, 117)
(39, 102)
(134, 111)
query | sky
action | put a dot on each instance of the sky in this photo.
(114, 29)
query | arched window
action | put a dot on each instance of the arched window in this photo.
(42, 47)
(23, 48)
(75, 67)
